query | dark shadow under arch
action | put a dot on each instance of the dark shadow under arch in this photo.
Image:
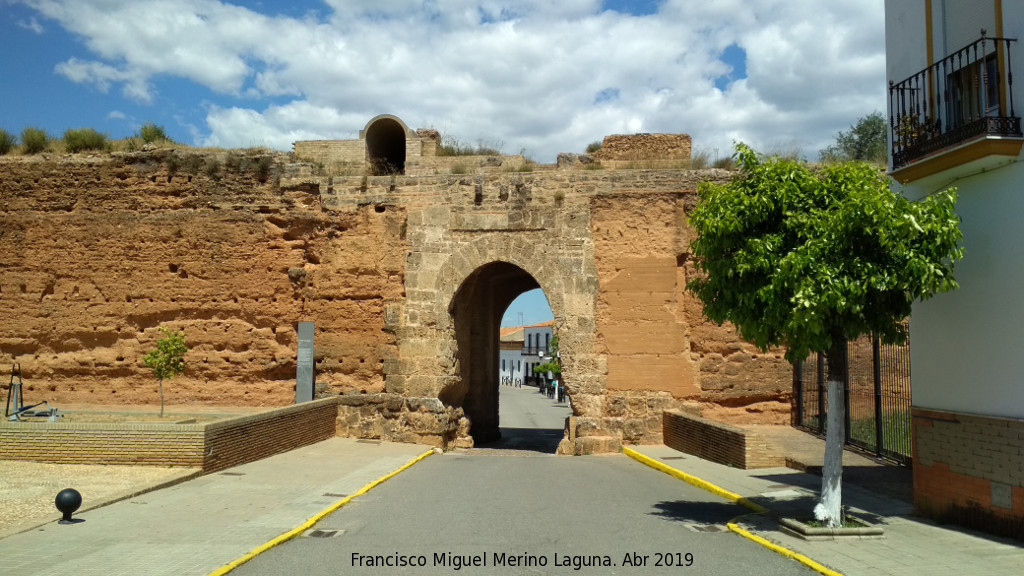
(476, 310)
(385, 147)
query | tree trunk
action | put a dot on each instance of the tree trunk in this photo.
(829, 508)
(161, 397)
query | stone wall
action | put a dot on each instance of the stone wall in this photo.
(404, 276)
(645, 147)
(398, 418)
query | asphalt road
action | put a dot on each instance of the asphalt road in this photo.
(525, 512)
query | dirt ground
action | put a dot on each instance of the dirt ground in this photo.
(28, 489)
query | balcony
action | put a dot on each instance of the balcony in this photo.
(957, 114)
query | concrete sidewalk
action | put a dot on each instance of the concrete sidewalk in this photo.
(195, 527)
(911, 545)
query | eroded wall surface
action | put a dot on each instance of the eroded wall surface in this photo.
(97, 253)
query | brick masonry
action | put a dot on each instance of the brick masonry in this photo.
(211, 446)
(969, 469)
(716, 441)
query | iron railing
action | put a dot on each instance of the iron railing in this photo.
(965, 95)
(877, 397)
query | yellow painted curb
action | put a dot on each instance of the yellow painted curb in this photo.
(755, 507)
(783, 551)
(690, 479)
(309, 523)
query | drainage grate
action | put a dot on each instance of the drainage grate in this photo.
(368, 441)
(323, 533)
(333, 495)
(707, 528)
(673, 458)
(232, 473)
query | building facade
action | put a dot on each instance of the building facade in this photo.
(954, 123)
(522, 349)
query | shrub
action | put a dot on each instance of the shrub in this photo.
(212, 169)
(700, 159)
(262, 169)
(81, 139)
(150, 132)
(451, 146)
(594, 146)
(35, 140)
(7, 141)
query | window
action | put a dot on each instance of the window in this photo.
(973, 93)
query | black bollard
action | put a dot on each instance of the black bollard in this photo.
(67, 501)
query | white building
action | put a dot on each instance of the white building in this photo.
(523, 348)
(955, 122)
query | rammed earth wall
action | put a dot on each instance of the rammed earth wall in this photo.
(404, 276)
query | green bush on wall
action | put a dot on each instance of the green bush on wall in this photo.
(34, 140)
(81, 139)
(7, 141)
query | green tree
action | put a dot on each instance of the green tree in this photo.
(867, 140)
(809, 259)
(7, 141)
(555, 364)
(168, 359)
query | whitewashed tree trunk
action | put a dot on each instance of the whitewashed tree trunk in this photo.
(829, 506)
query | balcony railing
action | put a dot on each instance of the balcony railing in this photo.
(966, 95)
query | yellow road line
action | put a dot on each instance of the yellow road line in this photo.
(783, 551)
(734, 497)
(690, 479)
(309, 523)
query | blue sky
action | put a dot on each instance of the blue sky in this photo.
(534, 76)
(529, 308)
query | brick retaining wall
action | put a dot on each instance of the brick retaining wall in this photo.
(716, 441)
(212, 446)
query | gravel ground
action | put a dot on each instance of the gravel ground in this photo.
(28, 489)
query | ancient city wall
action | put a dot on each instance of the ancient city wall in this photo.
(98, 253)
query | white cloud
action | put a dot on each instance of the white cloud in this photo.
(527, 73)
(31, 24)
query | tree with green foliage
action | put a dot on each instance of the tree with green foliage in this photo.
(35, 140)
(554, 365)
(167, 360)
(808, 259)
(867, 140)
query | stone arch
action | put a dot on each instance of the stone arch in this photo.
(386, 138)
(475, 286)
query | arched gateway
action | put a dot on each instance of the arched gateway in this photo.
(404, 261)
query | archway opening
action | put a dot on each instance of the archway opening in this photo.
(385, 147)
(477, 310)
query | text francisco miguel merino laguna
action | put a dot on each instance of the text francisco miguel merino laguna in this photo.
(501, 559)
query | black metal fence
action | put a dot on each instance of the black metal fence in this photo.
(877, 397)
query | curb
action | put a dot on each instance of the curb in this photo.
(699, 483)
(734, 497)
(313, 520)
